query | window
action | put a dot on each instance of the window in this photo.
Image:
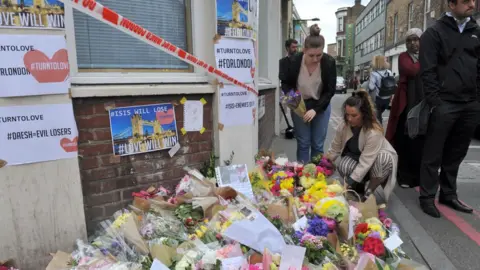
(340, 24)
(372, 17)
(381, 37)
(99, 46)
(367, 18)
(340, 47)
(395, 28)
(410, 15)
(372, 41)
(381, 5)
(376, 45)
(377, 10)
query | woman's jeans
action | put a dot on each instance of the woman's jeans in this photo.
(311, 136)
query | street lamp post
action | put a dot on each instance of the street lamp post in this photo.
(295, 22)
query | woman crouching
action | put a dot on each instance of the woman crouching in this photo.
(365, 154)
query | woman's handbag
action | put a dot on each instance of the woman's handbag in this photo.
(417, 119)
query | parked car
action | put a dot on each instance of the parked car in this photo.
(341, 86)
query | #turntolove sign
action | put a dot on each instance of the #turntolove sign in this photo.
(37, 133)
(33, 65)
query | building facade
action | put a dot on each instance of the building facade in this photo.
(332, 49)
(369, 35)
(300, 28)
(341, 15)
(402, 15)
(352, 14)
(46, 206)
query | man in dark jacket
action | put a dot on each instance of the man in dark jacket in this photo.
(291, 46)
(450, 71)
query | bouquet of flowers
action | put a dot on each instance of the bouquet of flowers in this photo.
(334, 208)
(294, 101)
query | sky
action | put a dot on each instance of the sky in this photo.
(325, 11)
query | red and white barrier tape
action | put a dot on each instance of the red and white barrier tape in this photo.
(108, 16)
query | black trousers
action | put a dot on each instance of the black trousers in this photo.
(450, 130)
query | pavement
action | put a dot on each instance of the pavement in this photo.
(451, 242)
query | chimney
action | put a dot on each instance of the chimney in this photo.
(358, 2)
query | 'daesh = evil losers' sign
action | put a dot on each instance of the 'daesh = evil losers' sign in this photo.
(143, 129)
(33, 65)
(37, 133)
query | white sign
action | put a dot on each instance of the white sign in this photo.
(33, 65)
(37, 133)
(237, 106)
(193, 115)
(236, 58)
(261, 106)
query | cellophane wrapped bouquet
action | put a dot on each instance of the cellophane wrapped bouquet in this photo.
(294, 101)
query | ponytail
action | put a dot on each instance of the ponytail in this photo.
(361, 100)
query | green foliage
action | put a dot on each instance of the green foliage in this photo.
(208, 169)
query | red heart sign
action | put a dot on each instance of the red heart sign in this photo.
(165, 118)
(252, 72)
(69, 145)
(46, 70)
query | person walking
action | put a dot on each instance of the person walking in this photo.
(408, 94)
(381, 85)
(291, 46)
(313, 73)
(449, 66)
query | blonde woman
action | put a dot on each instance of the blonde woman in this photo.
(382, 84)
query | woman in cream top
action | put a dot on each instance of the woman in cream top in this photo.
(314, 74)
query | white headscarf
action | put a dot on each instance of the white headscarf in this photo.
(414, 32)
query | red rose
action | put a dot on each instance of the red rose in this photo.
(361, 228)
(374, 246)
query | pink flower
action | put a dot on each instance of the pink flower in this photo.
(387, 222)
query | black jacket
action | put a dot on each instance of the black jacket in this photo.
(449, 62)
(290, 70)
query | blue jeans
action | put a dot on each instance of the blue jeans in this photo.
(311, 136)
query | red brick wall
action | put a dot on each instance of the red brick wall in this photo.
(266, 125)
(107, 180)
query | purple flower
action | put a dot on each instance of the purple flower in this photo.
(375, 235)
(298, 235)
(318, 227)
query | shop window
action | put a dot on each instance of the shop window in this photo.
(99, 47)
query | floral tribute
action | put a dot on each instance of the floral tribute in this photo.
(201, 226)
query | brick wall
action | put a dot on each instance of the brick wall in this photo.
(266, 125)
(400, 7)
(107, 180)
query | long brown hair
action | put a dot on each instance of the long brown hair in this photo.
(361, 100)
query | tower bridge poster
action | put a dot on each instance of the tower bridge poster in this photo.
(142, 129)
(31, 14)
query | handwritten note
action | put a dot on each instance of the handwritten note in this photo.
(292, 257)
(157, 265)
(393, 242)
(193, 115)
(234, 263)
(301, 224)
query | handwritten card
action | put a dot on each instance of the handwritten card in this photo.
(157, 265)
(234, 263)
(301, 224)
(292, 257)
(193, 115)
(393, 242)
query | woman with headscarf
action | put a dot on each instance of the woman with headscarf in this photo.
(408, 94)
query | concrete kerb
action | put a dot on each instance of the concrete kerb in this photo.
(432, 254)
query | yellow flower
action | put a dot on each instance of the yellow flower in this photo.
(203, 228)
(321, 177)
(335, 188)
(328, 266)
(307, 182)
(121, 220)
(273, 266)
(287, 184)
(377, 228)
(199, 233)
(320, 185)
(331, 208)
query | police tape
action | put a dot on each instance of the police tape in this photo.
(108, 16)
